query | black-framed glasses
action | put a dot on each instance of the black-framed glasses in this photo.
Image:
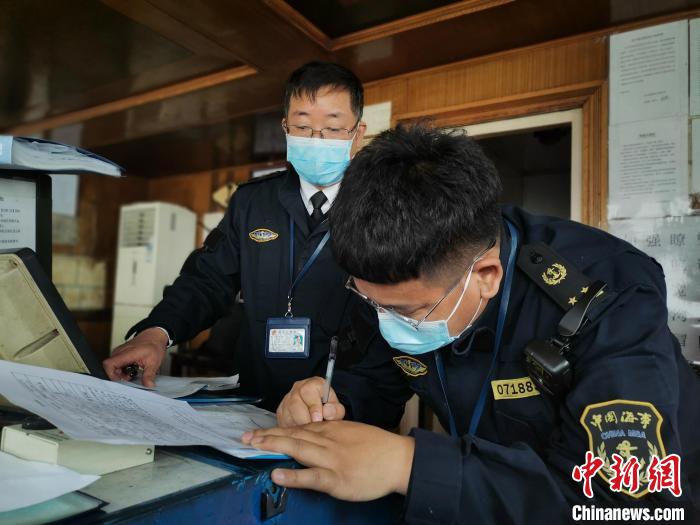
(350, 285)
(324, 133)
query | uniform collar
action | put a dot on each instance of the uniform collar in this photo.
(290, 197)
(308, 190)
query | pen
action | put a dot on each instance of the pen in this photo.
(329, 368)
(131, 370)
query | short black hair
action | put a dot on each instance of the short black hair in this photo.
(312, 77)
(415, 202)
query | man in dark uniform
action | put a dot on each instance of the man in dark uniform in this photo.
(462, 290)
(283, 338)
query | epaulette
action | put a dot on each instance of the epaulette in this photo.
(263, 178)
(560, 280)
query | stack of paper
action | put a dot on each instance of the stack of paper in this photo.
(88, 408)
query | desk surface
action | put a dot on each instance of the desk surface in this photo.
(169, 473)
(186, 485)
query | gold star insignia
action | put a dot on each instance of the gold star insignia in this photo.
(572, 301)
(584, 289)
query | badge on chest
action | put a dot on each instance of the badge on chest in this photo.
(288, 337)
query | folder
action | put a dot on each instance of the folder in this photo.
(52, 157)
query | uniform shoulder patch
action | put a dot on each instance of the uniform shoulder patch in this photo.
(263, 235)
(411, 366)
(626, 428)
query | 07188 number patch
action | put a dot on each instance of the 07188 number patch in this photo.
(514, 388)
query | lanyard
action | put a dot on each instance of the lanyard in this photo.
(502, 311)
(294, 282)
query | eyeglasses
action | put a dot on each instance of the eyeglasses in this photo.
(350, 285)
(324, 133)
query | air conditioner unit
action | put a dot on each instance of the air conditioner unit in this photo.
(155, 238)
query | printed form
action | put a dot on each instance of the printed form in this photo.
(93, 409)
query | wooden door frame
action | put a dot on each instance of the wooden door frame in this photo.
(590, 97)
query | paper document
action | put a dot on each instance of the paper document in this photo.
(17, 214)
(243, 416)
(649, 73)
(175, 387)
(694, 29)
(649, 169)
(88, 408)
(695, 155)
(24, 483)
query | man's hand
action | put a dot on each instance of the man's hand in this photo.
(303, 404)
(349, 461)
(147, 350)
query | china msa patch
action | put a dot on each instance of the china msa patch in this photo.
(626, 428)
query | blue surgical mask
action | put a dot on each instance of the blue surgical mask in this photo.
(321, 162)
(428, 336)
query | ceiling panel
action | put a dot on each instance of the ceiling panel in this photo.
(59, 56)
(509, 26)
(341, 17)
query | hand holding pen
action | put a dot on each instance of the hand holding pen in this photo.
(313, 399)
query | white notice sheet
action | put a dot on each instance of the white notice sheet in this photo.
(24, 483)
(17, 214)
(694, 28)
(695, 154)
(88, 408)
(377, 117)
(649, 169)
(649, 73)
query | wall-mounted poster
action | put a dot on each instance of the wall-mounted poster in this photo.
(649, 73)
(649, 168)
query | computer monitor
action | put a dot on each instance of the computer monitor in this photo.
(25, 213)
(36, 327)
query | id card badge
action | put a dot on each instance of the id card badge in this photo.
(288, 337)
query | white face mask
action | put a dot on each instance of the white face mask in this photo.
(429, 335)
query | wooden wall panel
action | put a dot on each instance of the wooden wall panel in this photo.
(532, 69)
(191, 191)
